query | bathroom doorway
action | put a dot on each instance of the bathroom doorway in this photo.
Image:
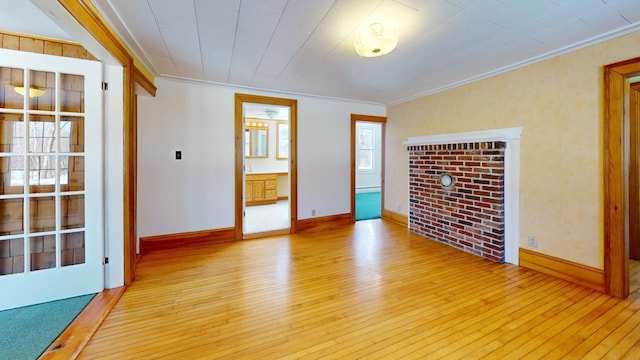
(265, 195)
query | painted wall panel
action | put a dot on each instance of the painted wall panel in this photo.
(196, 193)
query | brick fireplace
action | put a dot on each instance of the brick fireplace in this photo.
(468, 214)
(478, 211)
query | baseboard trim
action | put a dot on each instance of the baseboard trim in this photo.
(187, 238)
(395, 217)
(577, 273)
(324, 222)
(75, 337)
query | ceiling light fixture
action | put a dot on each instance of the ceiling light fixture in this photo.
(376, 40)
(271, 113)
(33, 92)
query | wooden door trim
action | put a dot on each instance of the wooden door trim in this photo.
(90, 19)
(615, 246)
(239, 153)
(382, 120)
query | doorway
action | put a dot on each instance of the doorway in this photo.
(634, 185)
(266, 169)
(616, 201)
(367, 166)
(266, 172)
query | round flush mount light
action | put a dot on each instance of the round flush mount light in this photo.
(33, 92)
(446, 181)
(375, 40)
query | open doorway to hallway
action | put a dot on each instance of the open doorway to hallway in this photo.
(368, 170)
(616, 174)
(367, 166)
(633, 185)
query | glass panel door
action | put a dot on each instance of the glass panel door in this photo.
(51, 241)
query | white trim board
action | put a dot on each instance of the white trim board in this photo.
(511, 136)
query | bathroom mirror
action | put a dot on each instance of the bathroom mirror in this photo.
(256, 142)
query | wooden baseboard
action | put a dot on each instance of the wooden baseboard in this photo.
(577, 273)
(186, 238)
(324, 222)
(76, 336)
(395, 217)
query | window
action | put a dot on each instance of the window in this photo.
(365, 149)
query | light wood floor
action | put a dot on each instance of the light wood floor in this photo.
(368, 291)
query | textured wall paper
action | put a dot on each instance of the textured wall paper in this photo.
(558, 102)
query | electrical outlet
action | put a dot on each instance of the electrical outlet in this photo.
(178, 155)
(313, 212)
(533, 242)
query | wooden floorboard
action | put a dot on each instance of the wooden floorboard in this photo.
(371, 291)
(73, 339)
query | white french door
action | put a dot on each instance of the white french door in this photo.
(51, 207)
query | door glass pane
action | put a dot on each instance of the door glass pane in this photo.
(42, 134)
(11, 175)
(71, 211)
(71, 93)
(11, 256)
(72, 245)
(42, 214)
(42, 91)
(42, 173)
(43, 252)
(11, 88)
(11, 216)
(72, 134)
(11, 133)
(71, 173)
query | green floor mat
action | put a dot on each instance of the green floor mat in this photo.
(26, 332)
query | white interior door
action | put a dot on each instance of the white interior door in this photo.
(51, 207)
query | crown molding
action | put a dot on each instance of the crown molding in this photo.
(564, 50)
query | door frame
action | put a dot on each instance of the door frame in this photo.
(634, 171)
(240, 99)
(616, 270)
(382, 120)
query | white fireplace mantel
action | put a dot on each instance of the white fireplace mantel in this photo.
(511, 175)
(505, 135)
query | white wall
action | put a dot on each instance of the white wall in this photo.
(114, 176)
(197, 192)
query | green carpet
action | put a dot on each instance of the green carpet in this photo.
(368, 205)
(26, 332)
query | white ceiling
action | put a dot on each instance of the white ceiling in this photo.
(24, 17)
(306, 46)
